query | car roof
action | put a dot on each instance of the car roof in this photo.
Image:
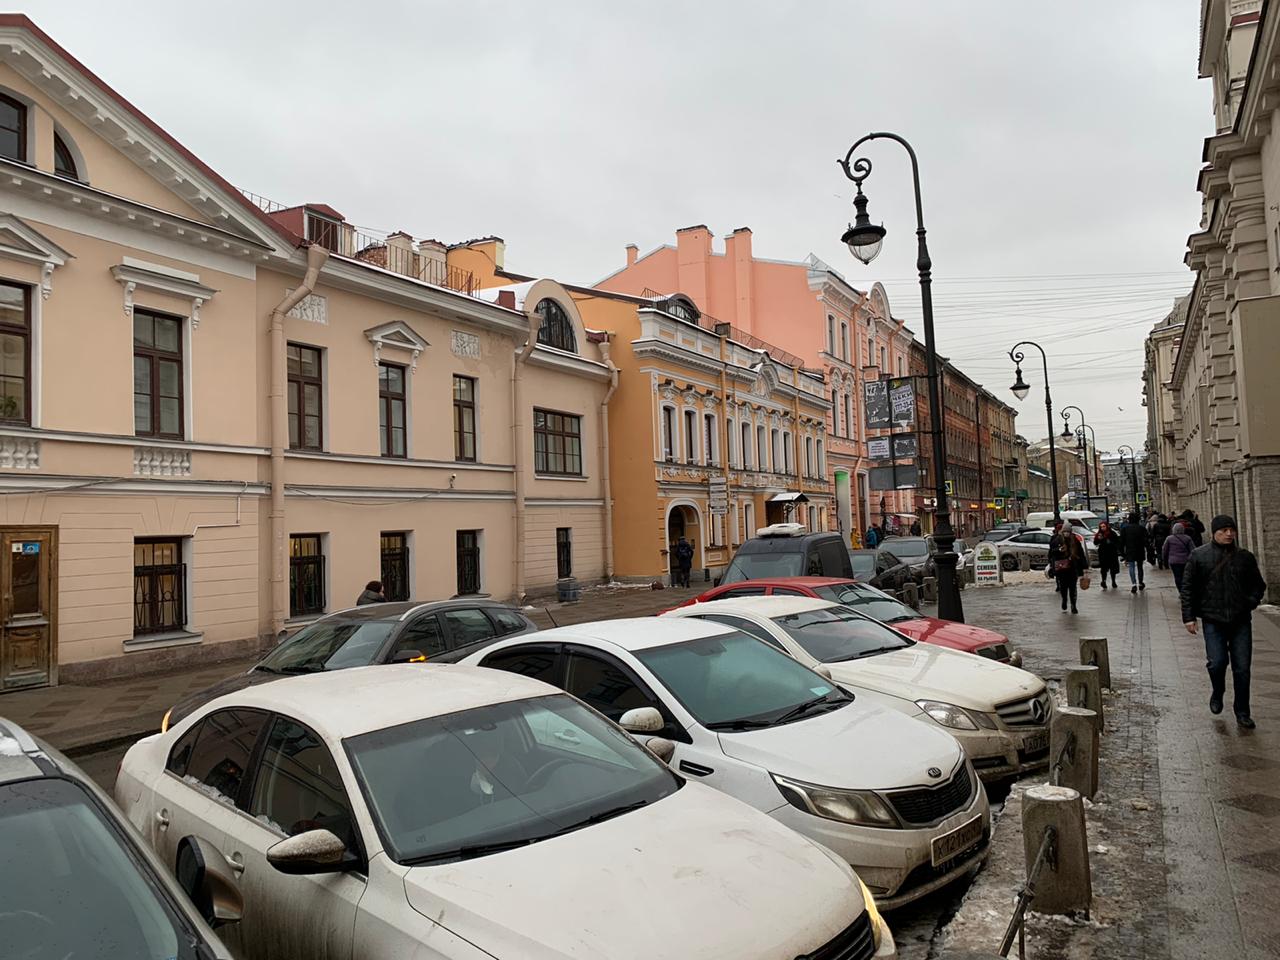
(346, 703)
(794, 581)
(399, 609)
(865, 551)
(632, 634)
(756, 606)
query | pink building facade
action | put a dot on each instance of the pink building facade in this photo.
(808, 309)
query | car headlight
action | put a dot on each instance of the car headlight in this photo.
(948, 714)
(879, 929)
(847, 806)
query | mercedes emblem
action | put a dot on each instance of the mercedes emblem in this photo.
(1037, 710)
(935, 772)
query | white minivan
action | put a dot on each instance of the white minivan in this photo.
(1085, 522)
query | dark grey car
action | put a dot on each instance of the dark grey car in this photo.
(442, 631)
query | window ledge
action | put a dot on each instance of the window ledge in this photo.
(559, 476)
(158, 641)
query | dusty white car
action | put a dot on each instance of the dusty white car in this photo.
(1000, 714)
(434, 811)
(891, 795)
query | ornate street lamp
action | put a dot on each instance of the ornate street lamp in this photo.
(1020, 390)
(863, 238)
(1066, 435)
(1133, 471)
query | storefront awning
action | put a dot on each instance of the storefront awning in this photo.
(789, 498)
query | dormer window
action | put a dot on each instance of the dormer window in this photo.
(323, 231)
(556, 329)
(64, 164)
(13, 129)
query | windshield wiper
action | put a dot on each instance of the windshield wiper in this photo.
(471, 850)
(743, 723)
(874, 651)
(604, 815)
(800, 709)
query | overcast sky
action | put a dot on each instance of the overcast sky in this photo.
(1059, 143)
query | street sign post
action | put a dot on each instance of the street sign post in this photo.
(718, 495)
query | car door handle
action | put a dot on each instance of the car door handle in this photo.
(236, 862)
(695, 769)
(162, 818)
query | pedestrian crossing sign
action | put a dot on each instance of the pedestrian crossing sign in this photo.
(998, 503)
(1143, 498)
(950, 488)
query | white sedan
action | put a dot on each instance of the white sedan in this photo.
(1000, 714)
(433, 811)
(744, 717)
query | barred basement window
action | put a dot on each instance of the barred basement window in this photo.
(159, 586)
(564, 552)
(395, 566)
(306, 575)
(468, 562)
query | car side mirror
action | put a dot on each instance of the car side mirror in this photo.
(661, 747)
(823, 671)
(206, 877)
(408, 656)
(642, 720)
(314, 851)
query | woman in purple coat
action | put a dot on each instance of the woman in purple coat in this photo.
(1177, 551)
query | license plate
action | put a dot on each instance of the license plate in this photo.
(961, 838)
(1036, 743)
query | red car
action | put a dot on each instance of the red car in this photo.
(875, 603)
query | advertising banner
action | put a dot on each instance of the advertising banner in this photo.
(875, 404)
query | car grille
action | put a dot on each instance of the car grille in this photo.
(997, 651)
(1018, 713)
(930, 804)
(855, 942)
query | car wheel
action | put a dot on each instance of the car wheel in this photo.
(1009, 562)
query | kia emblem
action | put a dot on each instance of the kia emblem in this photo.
(935, 772)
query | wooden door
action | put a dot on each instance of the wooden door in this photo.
(28, 607)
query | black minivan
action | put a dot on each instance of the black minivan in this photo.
(788, 550)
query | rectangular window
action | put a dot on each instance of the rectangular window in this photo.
(831, 335)
(391, 409)
(786, 454)
(306, 419)
(835, 413)
(848, 416)
(395, 566)
(564, 552)
(557, 443)
(468, 562)
(775, 443)
(668, 434)
(844, 341)
(708, 438)
(746, 446)
(808, 456)
(306, 575)
(871, 352)
(762, 450)
(159, 586)
(15, 353)
(157, 375)
(884, 360)
(464, 418)
(730, 455)
(690, 437)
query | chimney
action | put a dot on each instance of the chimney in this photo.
(693, 264)
(739, 254)
(632, 253)
(400, 254)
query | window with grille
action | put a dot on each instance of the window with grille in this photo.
(464, 418)
(557, 443)
(159, 586)
(564, 552)
(15, 353)
(391, 409)
(306, 575)
(157, 375)
(468, 561)
(306, 414)
(395, 566)
(556, 329)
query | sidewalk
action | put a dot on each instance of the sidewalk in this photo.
(1185, 832)
(81, 718)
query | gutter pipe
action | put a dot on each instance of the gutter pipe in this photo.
(605, 478)
(518, 448)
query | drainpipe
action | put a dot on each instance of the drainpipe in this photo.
(517, 447)
(605, 480)
(316, 257)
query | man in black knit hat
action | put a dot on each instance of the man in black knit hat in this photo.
(1222, 585)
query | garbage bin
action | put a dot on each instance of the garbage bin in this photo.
(567, 590)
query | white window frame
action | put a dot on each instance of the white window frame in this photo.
(668, 433)
(788, 467)
(689, 447)
(808, 456)
(709, 437)
(746, 451)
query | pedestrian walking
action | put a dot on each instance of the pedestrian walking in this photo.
(1177, 551)
(1221, 586)
(1108, 543)
(684, 562)
(1133, 540)
(1194, 527)
(872, 537)
(1068, 562)
(915, 528)
(372, 593)
(1160, 532)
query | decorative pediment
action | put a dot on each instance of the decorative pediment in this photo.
(398, 335)
(138, 274)
(19, 241)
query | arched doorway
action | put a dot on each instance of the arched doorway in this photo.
(682, 521)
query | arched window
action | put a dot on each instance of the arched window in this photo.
(13, 129)
(64, 164)
(557, 329)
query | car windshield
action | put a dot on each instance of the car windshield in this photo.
(903, 548)
(1090, 522)
(867, 600)
(830, 635)
(81, 890)
(508, 774)
(761, 566)
(733, 681)
(864, 564)
(328, 645)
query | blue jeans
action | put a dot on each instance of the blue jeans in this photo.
(1230, 643)
(1134, 578)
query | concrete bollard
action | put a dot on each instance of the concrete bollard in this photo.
(929, 589)
(1064, 884)
(1085, 690)
(1093, 651)
(912, 596)
(1024, 562)
(1073, 749)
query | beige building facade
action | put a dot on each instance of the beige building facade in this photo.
(220, 417)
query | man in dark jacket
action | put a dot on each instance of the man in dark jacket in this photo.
(1193, 527)
(684, 562)
(1160, 531)
(1133, 539)
(1222, 585)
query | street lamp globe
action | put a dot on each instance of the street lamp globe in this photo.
(1020, 388)
(1066, 431)
(863, 238)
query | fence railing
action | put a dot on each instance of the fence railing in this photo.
(1045, 856)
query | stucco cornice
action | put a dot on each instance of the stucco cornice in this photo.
(562, 362)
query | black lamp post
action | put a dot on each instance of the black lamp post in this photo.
(863, 239)
(1085, 461)
(1133, 472)
(1020, 390)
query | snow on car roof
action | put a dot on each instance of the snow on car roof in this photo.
(774, 606)
(636, 633)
